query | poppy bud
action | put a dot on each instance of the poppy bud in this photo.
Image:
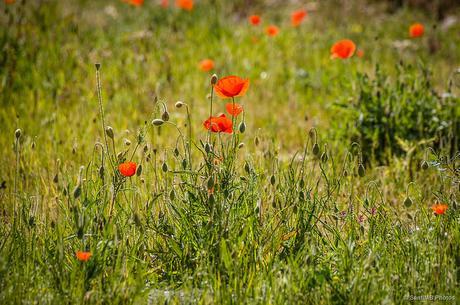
(176, 152)
(247, 168)
(179, 104)
(146, 148)
(424, 165)
(77, 191)
(207, 148)
(80, 232)
(302, 183)
(212, 200)
(256, 141)
(315, 149)
(139, 170)
(120, 156)
(158, 122)
(56, 178)
(165, 116)
(32, 145)
(361, 170)
(311, 133)
(109, 132)
(272, 180)
(184, 163)
(324, 157)
(101, 172)
(164, 167)
(407, 202)
(241, 145)
(242, 127)
(98, 66)
(127, 142)
(213, 79)
(17, 133)
(210, 183)
(172, 195)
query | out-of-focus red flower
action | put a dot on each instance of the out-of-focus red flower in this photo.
(83, 256)
(127, 169)
(272, 30)
(360, 53)
(206, 65)
(343, 49)
(439, 209)
(416, 30)
(219, 124)
(297, 17)
(234, 109)
(135, 2)
(254, 19)
(185, 4)
(164, 3)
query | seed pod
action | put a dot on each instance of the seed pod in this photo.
(109, 132)
(424, 165)
(242, 127)
(158, 122)
(316, 149)
(361, 170)
(213, 79)
(345, 173)
(179, 104)
(172, 195)
(272, 180)
(165, 116)
(164, 167)
(18, 133)
(139, 170)
(407, 202)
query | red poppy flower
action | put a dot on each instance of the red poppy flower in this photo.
(219, 124)
(9, 1)
(254, 19)
(206, 65)
(135, 2)
(164, 3)
(234, 109)
(231, 86)
(272, 30)
(360, 53)
(83, 256)
(127, 169)
(297, 17)
(185, 4)
(439, 209)
(416, 30)
(343, 49)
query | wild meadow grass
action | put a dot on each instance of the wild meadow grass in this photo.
(328, 181)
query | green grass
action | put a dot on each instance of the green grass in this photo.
(282, 224)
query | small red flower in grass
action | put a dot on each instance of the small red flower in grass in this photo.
(219, 124)
(234, 109)
(416, 30)
(206, 65)
(127, 169)
(231, 86)
(360, 53)
(254, 19)
(297, 17)
(343, 49)
(272, 30)
(83, 256)
(9, 1)
(164, 3)
(135, 2)
(185, 4)
(439, 209)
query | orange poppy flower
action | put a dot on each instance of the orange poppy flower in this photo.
(272, 30)
(206, 65)
(231, 86)
(234, 109)
(127, 169)
(416, 30)
(219, 124)
(297, 17)
(185, 4)
(83, 256)
(254, 19)
(135, 2)
(439, 209)
(360, 53)
(343, 49)
(164, 3)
